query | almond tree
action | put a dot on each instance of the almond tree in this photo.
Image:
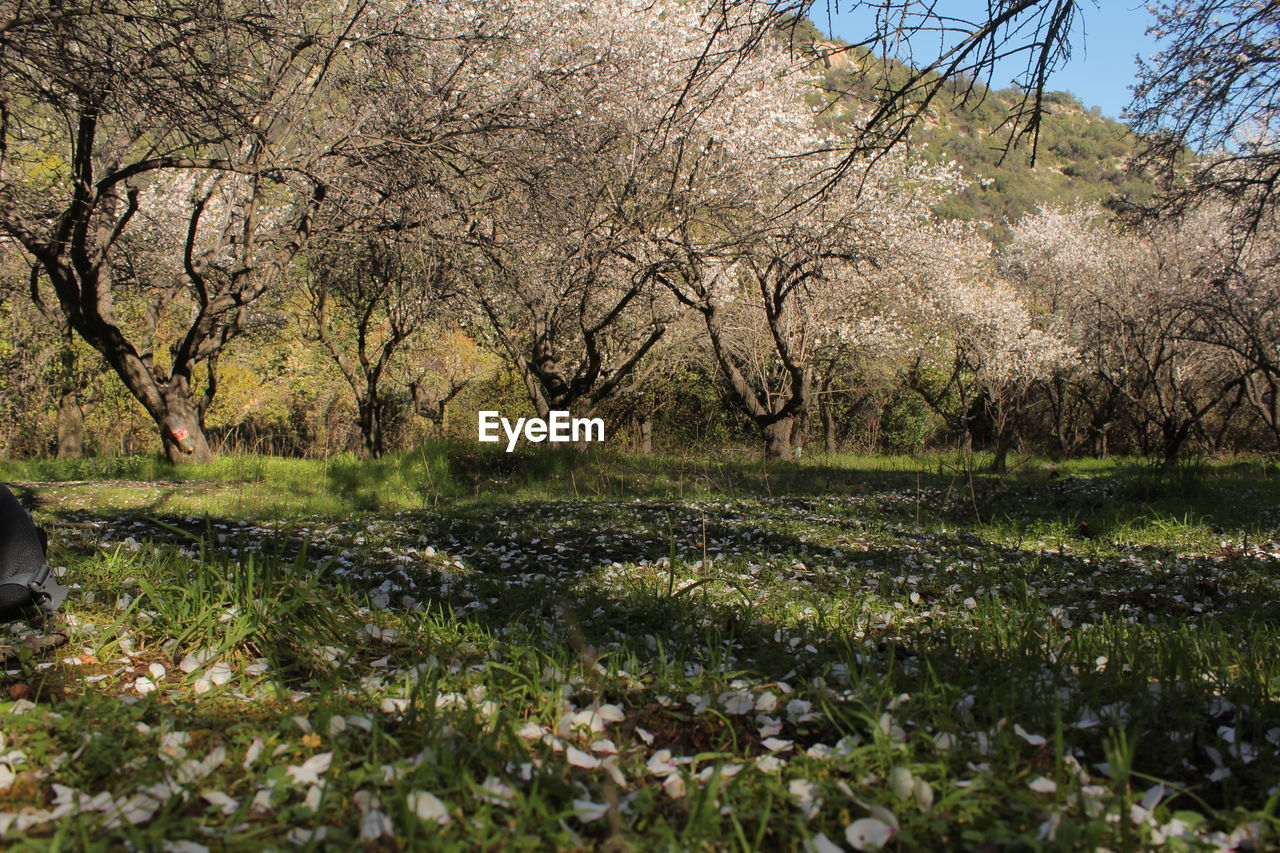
(441, 367)
(1212, 89)
(1236, 308)
(562, 304)
(1054, 265)
(980, 357)
(103, 106)
(776, 294)
(1124, 302)
(558, 222)
(368, 302)
(758, 242)
(219, 132)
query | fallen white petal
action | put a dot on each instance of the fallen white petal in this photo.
(300, 835)
(868, 833)
(821, 844)
(578, 758)
(498, 792)
(769, 764)
(611, 713)
(1034, 740)
(251, 754)
(310, 771)
(428, 807)
(587, 811)
(901, 782)
(531, 731)
(674, 786)
(737, 702)
(375, 825)
(183, 847)
(923, 794)
(221, 801)
(1042, 785)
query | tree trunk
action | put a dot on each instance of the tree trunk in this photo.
(371, 426)
(1056, 393)
(1098, 433)
(828, 423)
(1173, 434)
(777, 438)
(1000, 453)
(646, 436)
(442, 422)
(70, 426)
(180, 427)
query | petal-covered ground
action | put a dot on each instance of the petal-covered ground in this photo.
(901, 663)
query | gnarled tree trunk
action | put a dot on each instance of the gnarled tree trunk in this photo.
(181, 424)
(778, 438)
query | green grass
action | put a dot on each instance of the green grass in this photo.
(930, 646)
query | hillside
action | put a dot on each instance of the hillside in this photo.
(1081, 153)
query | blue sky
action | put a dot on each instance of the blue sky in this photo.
(1102, 64)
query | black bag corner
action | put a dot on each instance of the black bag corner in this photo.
(28, 589)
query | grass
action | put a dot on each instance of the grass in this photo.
(451, 650)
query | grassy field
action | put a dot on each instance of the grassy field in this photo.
(458, 650)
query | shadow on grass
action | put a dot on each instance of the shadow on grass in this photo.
(1240, 499)
(1099, 497)
(536, 594)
